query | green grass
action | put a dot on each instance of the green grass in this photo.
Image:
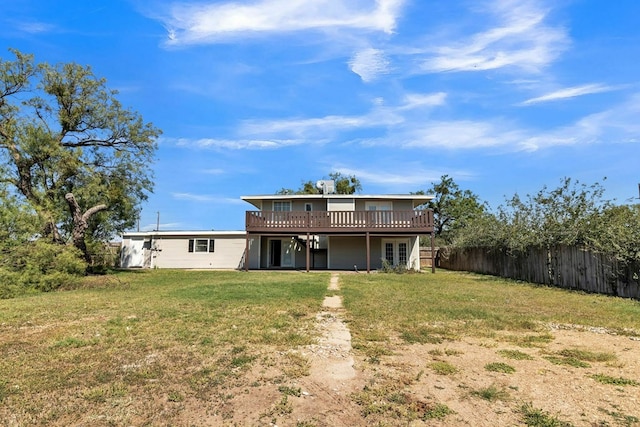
(587, 355)
(431, 308)
(534, 417)
(515, 355)
(499, 367)
(606, 379)
(578, 358)
(491, 393)
(443, 368)
(163, 332)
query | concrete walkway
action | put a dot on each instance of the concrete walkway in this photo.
(334, 360)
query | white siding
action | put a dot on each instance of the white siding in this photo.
(171, 250)
(174, 253)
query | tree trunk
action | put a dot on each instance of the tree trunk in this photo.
(80, 223)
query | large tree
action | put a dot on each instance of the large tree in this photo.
(453, 208)
(71, 151)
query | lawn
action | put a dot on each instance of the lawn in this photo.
(146, 347)
(80, 354)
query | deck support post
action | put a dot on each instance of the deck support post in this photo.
(368, 253)
(308, 250)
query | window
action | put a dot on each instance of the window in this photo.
(388, 252)
(396, 251)
(402, 253)
(282, 206)
(201, 245)
(308, 207)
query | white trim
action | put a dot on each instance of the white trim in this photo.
(194, 234)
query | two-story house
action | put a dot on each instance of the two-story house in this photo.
(336, 231)
(298, 231)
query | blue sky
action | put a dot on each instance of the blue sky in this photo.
(505, 96)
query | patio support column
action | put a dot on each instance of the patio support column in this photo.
(308, 250)
(246, 254)
(433, 253)
(368, 253)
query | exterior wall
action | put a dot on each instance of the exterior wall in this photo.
(166, 250)
(347, 251)
(173, 252)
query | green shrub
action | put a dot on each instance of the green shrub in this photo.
(39, 265)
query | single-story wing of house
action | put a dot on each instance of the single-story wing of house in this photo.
(297, 231)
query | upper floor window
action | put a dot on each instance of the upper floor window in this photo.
(379, 206)
(282, 205)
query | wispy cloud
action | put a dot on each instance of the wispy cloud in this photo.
(369, 64)
(618, 124)
(396, 126)
(570, 92)
(520, 39)
(380, 116)
(206, 198)
(213, 171)
(234, 144)
(214, 22)
(417, 176)
(36, 27)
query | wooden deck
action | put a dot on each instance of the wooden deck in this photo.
(336, 222)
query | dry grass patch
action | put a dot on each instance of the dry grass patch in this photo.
(160, 336)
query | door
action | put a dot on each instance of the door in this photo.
(275, 251)
(133, 254)
(280, 253)
(396, 251)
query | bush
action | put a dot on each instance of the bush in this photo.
(39, 265)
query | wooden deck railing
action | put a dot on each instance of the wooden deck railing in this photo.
(339, 221)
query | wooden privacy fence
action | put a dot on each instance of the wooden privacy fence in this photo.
(566, 267)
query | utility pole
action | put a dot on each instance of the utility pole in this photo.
(158, 222)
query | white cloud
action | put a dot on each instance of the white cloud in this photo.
(618, 124)
(236, 144)
(206, 198)
(415, 100)
(521, 39)
(198, 23)
(213, 171)
(35, 27)
(380, 116)
(369, 64)
(408, 177)
(461, 134)
(570, 92)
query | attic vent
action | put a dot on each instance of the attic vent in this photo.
(327, 186)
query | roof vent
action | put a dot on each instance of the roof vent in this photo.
(327, 186)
